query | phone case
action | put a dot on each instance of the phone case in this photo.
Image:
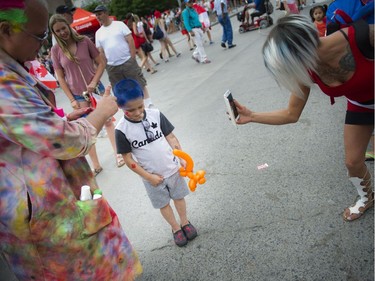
(228, 98)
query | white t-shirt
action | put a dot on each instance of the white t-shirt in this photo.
(154, 155)
(217, 7)
(140, 27)
(112, 39)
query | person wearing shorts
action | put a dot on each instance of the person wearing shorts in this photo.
(79, 67)
(146, 135)
(115, 42)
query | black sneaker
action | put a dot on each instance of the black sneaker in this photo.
(180, 238)
(223, 45)
(189, 231)
(232, 46)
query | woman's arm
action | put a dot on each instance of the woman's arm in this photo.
(286, 7)
(135, 29)
(100, 66)
(288, 115)
(64, 86)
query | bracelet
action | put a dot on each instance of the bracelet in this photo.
(72, 100)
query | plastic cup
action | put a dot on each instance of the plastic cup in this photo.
(85, 193)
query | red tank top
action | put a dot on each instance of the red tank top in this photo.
(360, 87)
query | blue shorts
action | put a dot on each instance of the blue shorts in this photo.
(80, 98)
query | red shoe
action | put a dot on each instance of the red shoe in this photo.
(180, 238)
(189, 231)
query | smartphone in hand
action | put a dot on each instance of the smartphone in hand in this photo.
(231, 108)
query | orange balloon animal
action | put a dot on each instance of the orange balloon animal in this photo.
(196, 178)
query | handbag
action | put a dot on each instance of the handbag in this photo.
(147, 47)
(158, 33)
(88, 96)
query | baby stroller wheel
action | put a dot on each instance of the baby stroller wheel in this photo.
(241, 29)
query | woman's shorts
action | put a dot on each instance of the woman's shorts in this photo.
(100, 87)
(173, 187)
(359, 115)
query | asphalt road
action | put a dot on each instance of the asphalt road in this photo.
(283, 222)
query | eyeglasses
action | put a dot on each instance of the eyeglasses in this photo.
(146, 126)
(40, 38)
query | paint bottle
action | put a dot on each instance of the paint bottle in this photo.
(97, 194)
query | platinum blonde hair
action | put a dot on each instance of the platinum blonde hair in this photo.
(290, 52)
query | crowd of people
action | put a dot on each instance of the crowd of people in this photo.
(47, 230)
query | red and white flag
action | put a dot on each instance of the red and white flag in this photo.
(39, 71)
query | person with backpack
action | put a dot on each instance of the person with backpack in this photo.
(341, 64)
(160, 33)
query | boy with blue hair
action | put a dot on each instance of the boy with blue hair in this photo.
(147, 134)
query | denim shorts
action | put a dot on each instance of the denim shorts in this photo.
(173, 187)
(80, 98)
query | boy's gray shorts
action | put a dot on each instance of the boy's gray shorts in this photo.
(173, 187)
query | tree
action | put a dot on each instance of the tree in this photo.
(120, 8)
(91, 7)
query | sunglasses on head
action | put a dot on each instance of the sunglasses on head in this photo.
(146, 126)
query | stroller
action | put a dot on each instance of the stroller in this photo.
(263, 21)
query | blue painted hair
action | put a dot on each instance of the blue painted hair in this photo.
(127, 90)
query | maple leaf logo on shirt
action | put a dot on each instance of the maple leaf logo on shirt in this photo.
(154, 125)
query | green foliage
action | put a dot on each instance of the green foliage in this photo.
(120, 8)
(91, 7)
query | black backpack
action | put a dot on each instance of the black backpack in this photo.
(158, 33)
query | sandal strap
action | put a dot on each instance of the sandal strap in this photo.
(355, 209)
(364, 191)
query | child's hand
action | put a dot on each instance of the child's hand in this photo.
(183, 163)
(155, 179)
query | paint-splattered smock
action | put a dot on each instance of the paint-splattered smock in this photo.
(46, 233)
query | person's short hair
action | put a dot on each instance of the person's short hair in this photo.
(290, 52)
(63, 9)
(100, 8)
(127, 90)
